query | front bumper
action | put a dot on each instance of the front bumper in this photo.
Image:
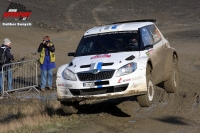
(116, 87)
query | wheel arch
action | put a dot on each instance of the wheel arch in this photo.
(175, 53)
(149, 62)
(169, 61)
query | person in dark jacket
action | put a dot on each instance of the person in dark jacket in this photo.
(47, 62)
(9, 57)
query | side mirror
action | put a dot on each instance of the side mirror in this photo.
(71, 54)
(148, 47)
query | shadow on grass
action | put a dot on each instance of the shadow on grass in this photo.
(52, 112)
(9, 118)
(109, 106)
(176, 120)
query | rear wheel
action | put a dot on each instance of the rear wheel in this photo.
(147, 99)
(172, 83)
(70, 107)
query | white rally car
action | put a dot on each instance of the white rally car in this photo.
(118, 60)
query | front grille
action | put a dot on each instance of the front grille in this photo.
(99, 76)
(97, 91)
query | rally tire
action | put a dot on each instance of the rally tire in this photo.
(147, 99)
(69, 107)
(172, 83)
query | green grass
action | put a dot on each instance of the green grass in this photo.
(37, 116)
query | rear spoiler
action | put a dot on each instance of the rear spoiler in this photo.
(142, 20)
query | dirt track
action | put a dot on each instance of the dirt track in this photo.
(65, 21)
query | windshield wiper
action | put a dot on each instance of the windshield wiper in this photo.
(120, 42)
(102, 47)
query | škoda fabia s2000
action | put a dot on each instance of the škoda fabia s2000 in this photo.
(118, 60)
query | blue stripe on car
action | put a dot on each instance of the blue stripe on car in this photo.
(99, 86)
(99, 65)
(114, 27)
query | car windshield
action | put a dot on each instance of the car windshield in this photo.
(109, 42)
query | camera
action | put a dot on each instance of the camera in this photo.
(47, 42)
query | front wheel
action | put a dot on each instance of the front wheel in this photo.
(147, 99)
(69, 107)
(172, 83)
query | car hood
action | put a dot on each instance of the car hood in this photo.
(101, 61)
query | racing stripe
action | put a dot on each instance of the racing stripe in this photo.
(99, 86)
(114, 26)
(99, 65)
(92, 66)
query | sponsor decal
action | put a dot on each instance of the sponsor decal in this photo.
(119, 81)
(137, 78)
(126, 80)
(61, 84)
(101, 56)
(16, 11)
(149, 51)
(68, 85)
(65, 85)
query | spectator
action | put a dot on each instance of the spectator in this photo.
(47, 62)
(5, 49)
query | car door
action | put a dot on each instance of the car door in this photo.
(151, 36)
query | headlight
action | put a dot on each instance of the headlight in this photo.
(69, 75)
(127, 69)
